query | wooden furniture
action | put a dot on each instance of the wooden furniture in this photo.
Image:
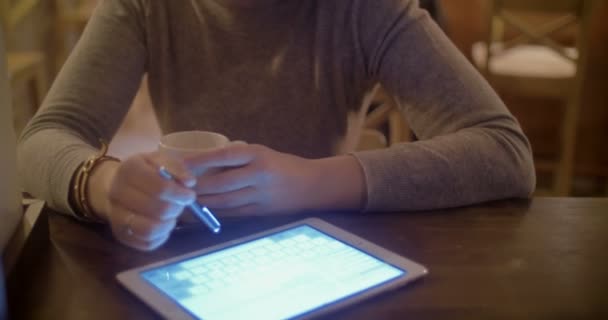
(534, 64)
(25, 68)
(387, 120)
(543, 258)
(71, 17)
(371, 139)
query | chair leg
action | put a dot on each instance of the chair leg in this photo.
(565, 170)
(395, 129)
(398, 127)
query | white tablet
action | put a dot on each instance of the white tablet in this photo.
(299, 270)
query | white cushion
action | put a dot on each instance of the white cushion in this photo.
(526, 61)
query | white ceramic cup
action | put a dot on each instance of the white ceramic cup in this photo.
(186, 143)
(182, 144)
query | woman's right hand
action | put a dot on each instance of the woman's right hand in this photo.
(141, 207)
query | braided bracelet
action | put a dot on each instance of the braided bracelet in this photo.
(80, 185)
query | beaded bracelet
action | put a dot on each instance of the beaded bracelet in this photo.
(80, 184)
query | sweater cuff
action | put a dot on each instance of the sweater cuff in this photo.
(374, 166)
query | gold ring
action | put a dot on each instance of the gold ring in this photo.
(128, 221)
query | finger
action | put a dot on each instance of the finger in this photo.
(250, 209)
(147, 179)
(178, 170)
(226, 180)
(142, 245)
(149, 230)
(140, 227)
(230, 200)
(233, 155)
(138, 202)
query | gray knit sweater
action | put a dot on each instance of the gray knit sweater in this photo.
(294, 75)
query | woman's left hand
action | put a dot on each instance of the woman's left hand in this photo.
(243, 179)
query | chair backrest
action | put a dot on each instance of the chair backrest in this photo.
(506, 14)
(543, 6)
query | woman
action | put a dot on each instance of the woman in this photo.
(293, 78)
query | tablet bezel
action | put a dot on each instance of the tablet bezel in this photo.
(166, 307)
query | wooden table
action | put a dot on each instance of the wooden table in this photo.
(545, 258)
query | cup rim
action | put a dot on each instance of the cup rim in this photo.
(163, 143)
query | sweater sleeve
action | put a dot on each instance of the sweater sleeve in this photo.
(470, 148)
(87, 101)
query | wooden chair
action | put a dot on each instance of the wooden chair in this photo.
(25, 68)
(371, 139)
(532, 63)
(385, 125)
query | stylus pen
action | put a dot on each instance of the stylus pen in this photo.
(200, 211)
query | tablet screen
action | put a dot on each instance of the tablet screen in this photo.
(278, 276)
